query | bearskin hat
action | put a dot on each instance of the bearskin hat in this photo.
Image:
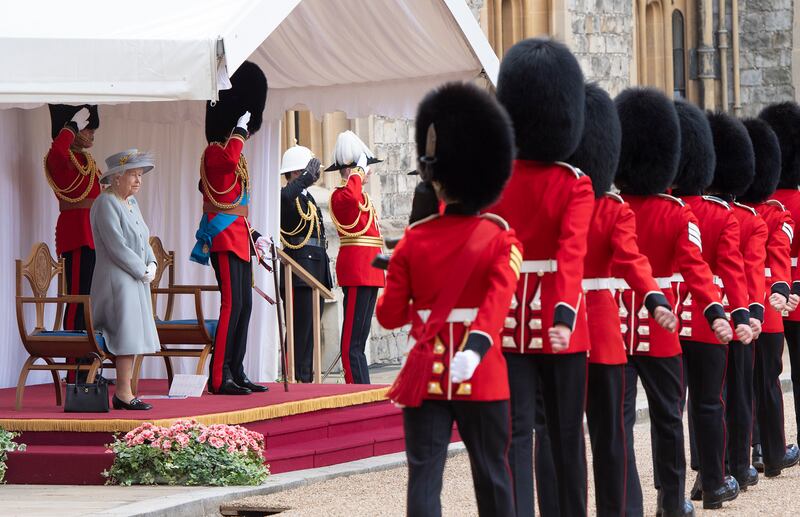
(597, 154)
(464, 116)
(696, 163)
(735, 159)
(541, 85)
(784, 119)
(60, 114)
(767, 151)
(248, 92)
(651, 141)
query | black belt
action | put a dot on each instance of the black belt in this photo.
(313, 241)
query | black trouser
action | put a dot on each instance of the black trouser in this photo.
(483, 427)
(544, 468)
(634, 504)
(662, 378)
(563, 388)
(78, 270)
(605, 418)
(235, 280)
(303, 319)
(359, 306)
(739, 405)
(792, 330)
(704, 366)
(769, 396)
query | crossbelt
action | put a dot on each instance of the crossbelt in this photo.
(456, 315)
(539, 266)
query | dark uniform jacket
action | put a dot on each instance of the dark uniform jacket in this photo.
(312, 257)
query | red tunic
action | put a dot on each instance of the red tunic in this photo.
(753, 244)
(549, 206)
(721, 251)
(220, 164)
(354, 263)
(668, 235)
(778, 264)
(418, 271)
(73, 228)
(790, 198)
(613, 252)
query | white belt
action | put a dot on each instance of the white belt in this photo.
(456, 315)
(600, 284)
(768, 272)
(539, 266)
(794, 261)
(665, 282)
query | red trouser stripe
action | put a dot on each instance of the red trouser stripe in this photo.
(221, 338)
(75, 288)
(347, 332)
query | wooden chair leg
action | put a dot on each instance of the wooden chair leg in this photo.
(23, 376)
(56, 380)
(170, 371)
(137, 370)
(201, 361)
(96, 363)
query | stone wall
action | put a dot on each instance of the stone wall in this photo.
(765, 53)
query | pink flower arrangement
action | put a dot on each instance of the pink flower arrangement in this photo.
(233, 438)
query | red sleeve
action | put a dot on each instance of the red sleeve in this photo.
(627, 261)
(755, 257)
(221, 162)
(779, 245)
(572, 251)
(394, 305)
(696, 273)
(730, 266)
(345, 200)
(58, 162)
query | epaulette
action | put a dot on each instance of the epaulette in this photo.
(423, 220)
(749, 208)
(775, 202)
(718, 201)
(574, 170)
(499, 221)
(672, 198)
(615, 197)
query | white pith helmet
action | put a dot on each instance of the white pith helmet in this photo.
(295, 159)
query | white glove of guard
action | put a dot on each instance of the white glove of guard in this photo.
(243, 120)
(81, 118)
(463, 365)
(149, 273)
(262, 245)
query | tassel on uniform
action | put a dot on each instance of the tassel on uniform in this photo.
(411, 385)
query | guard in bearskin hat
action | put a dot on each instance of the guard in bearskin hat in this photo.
(452, 277)
(549, 204)
(770, 451)
(360, 241)
(784, 119)
(612, 260)
(704, 357)
(225, 235)
(74, 177)
(669, 236)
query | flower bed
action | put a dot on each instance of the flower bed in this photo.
(7, 444)
(188, 453)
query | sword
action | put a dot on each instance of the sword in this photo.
(279, 308)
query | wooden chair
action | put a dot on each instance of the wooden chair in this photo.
(48, 345)
(197, 333)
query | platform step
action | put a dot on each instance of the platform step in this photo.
(55, 465)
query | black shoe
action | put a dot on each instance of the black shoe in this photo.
(746, 478)
(758, 458)
(790, 459)
(727, 492)
(686, 511)
(133, 404)
(255, 388)
(228, 387)
(696, 493)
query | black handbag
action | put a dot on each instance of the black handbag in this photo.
(87, 398)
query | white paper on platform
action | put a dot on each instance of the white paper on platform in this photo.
(184, 385)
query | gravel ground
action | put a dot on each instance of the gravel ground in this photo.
(383, 493)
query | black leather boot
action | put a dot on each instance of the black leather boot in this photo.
(758, 458)
(727, 492)
(696, 493)
(746, 478)
(686, 511)
(252, 386)
(790, 459)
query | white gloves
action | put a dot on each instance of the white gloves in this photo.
(149, 273)
(243, 120)
(81, 118)
(463, 365)
(262, 245)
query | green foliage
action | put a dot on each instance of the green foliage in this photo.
(7, 444)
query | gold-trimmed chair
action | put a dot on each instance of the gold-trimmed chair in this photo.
(198, 333)
(39, 269)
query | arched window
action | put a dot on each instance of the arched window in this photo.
(678, 56)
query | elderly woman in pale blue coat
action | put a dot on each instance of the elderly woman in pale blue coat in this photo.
(121, 303)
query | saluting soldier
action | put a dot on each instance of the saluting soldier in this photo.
(549, 205)
(360, 241)
(303, 239)
(452, 277)
(225, 233)
(668, 235)
(74, 177)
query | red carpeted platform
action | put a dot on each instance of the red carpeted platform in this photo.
(311, 426)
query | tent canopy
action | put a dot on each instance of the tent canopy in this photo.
(357, 56)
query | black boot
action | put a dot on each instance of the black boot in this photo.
(696, 493)
(790, 459)
(758, 458)
(228, 387)
(686, 511)
(255, 388)
(727, 492)
(746, 478)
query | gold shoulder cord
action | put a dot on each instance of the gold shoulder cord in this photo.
(367, 206)
(308, 220)
(242, 176)
(89, 170)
